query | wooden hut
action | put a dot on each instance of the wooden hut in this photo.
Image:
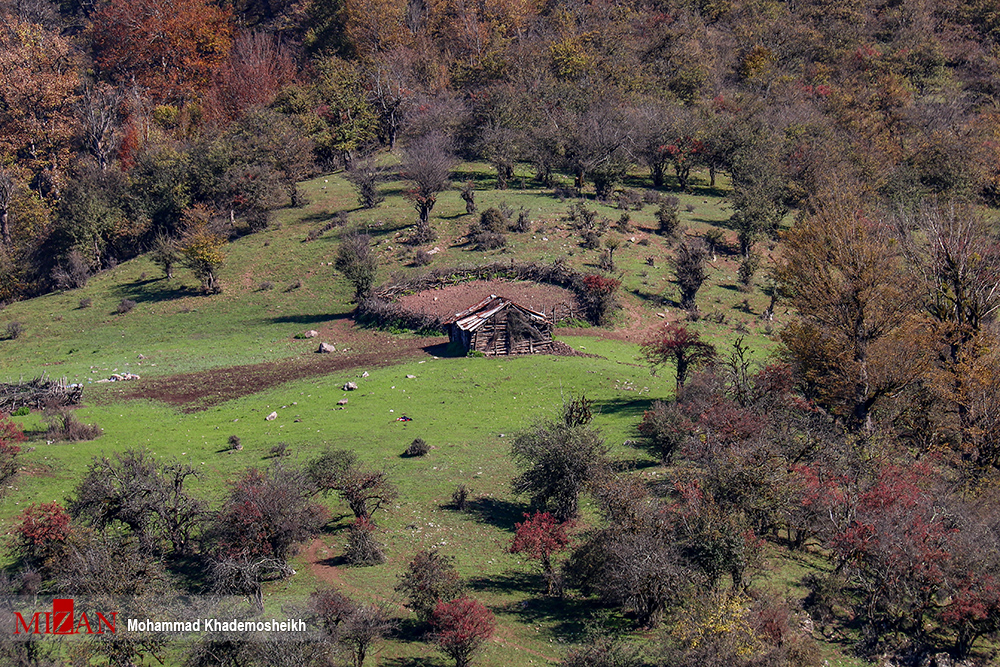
(497, 325)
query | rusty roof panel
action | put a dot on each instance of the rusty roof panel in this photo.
(474, 317)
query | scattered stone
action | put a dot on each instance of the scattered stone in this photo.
(365, 374)
(411, 377)
(342, 401)
(350, 386)
(120, 377)
(142, 356)
(312, 333)
(661, 314)
(325, 348)
(271, 417)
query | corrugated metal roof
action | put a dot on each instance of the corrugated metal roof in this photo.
(474, 317)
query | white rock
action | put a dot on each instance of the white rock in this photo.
(271, 417)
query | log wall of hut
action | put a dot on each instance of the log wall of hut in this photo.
(510, 332)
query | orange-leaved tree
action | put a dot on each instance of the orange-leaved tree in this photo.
(858, 336)
(171, 47)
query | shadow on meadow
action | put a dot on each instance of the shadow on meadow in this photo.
(567, 616)
(410, 629)
(155, 290)
(306, 319)
(414, 662)
(632, 408)
(501, 514)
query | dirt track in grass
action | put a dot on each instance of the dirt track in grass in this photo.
(201, 390)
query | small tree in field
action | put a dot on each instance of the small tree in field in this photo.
(201, 251)
(462, 627)
(600, 297)
(365, 176)
(558, 462)
(689, 268)
(364, 490)
(429, 579)
(428, 165)
(358, 263)
(674, 344)
(540, 536)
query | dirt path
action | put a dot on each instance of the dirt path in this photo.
(314, 555)
(204, 389)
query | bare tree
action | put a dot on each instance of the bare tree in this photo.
(428, 165)
(364, 490)
(365, 176)
(6, 196)
(133, 490)
(245, 576)
(958, 257)
(101, 114)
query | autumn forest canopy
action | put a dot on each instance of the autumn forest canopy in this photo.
(119, 119)
(857, 146)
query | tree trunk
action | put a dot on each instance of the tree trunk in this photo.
(5, 227)
(657, 173)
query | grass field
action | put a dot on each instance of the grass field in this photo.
(276, 286)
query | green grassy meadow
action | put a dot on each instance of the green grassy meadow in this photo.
(465, 408)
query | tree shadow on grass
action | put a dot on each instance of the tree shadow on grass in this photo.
(651, 297)
(307, 319)
(633, 408)
(508, 582)
(413, 662)
(500, 513)
(630, 465)
(318, 216)
(411, 630)
(154, 291)
(568, 616)
(334, 561)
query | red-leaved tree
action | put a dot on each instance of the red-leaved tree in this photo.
(974, 611)
(462, 628)
(42, 529)
(897, 547)
(540, 536)
(676, 345)
(600, 297)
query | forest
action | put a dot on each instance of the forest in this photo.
(854, 151)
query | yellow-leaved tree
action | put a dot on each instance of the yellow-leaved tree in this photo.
(201, 249)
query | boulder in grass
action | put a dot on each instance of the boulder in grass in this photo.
(326, 348)
(350, 386)
(342, 401)
(312, 333)
(271, 417)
